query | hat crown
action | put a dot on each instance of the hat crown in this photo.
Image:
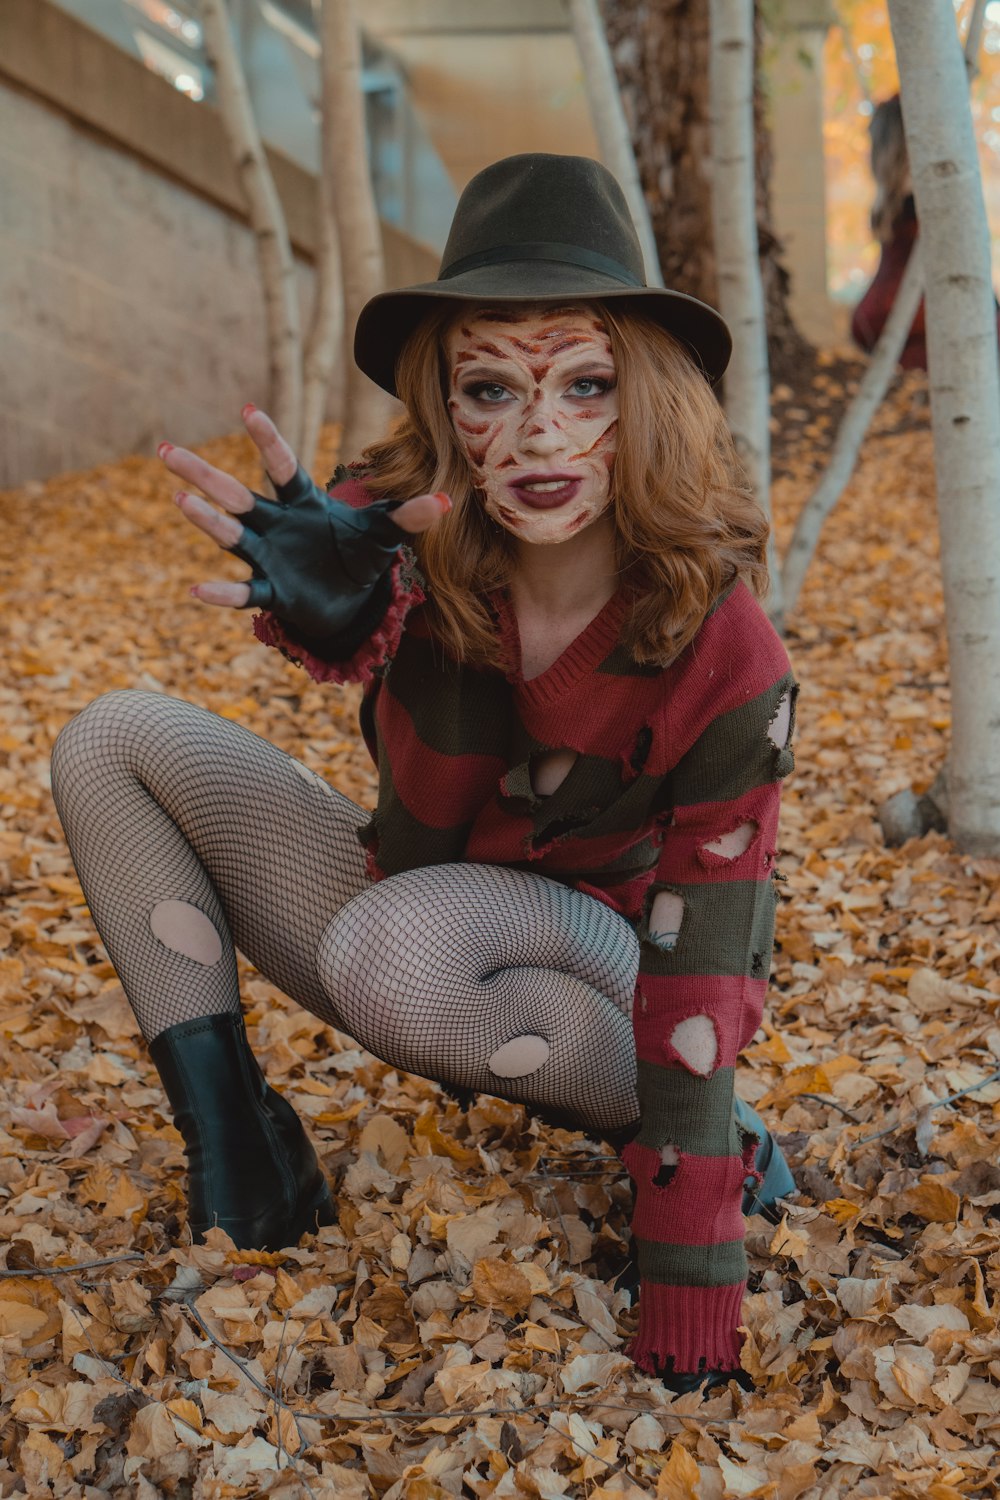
(539, 200)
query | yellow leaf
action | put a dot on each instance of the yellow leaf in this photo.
(435, 1143)
(545, 1339)
(805, 1080)
(841, 1209)
(495, 1283)
(21, 1319)
(255, 1257)
(679, 1477)
(387, 1139)
(186, 1410)
(932, 1201)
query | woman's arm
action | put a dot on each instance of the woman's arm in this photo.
(705, 957)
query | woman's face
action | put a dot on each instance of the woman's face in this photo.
(534, 403)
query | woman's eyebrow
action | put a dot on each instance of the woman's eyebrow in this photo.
(500, 373)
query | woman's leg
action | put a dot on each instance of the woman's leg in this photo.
(193, 837)
(495, 980)
(189, 835)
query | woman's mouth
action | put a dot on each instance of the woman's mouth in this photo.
(545, 494)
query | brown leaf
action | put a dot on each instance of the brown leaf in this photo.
(679, 1478)
(496, 1283)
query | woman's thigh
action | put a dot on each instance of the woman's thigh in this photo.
(153, 790)
(495, 980)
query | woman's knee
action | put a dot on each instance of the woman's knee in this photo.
(97, 738)
(107, 721)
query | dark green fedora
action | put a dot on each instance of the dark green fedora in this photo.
(536, 228)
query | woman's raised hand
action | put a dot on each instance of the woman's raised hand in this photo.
(315, 560)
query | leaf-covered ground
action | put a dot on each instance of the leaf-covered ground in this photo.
(456, 1333)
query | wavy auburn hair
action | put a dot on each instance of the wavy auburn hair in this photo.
(687, 524)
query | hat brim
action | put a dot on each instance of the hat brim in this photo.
(388, 320)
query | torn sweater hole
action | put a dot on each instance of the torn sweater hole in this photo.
(667, 1170)
(749, 1145)
(695, 1041)
(666, 914)
(548, 770)
(734, 842)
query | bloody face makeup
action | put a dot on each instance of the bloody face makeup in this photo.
(534, 404)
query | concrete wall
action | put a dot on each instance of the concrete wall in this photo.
(129, 297)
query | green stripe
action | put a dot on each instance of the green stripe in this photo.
(679, 1109)
(727, 928)
(711, 772)
(692, 1265)
(621, 663)
(455, 711)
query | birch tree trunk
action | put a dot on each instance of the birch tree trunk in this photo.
(610, 124)
(661, 53)
(367, 408)
(326, 336)
(965, 399)
(274, 251)
(741, 293)
(870, 393)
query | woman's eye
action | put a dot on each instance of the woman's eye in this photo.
(589, 385)
(487, 390)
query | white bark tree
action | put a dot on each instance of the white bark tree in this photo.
(965, 399)
(734, 212)
(870, 393)
(325, 343)
(274, 250)
(367, 408)
(610, 124)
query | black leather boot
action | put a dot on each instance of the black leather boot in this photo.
(680, 1382)
(251, 1168)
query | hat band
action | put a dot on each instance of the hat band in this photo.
(573, 255)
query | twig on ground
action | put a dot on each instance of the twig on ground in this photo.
(81, 1265)
(822, 1099)
(937, 1104)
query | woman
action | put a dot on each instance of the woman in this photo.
(580, 716)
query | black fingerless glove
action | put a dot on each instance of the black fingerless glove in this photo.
(319, 565)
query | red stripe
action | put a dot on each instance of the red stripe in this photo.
(735, 1004)
(688, 1324)
(700, 1205)
(701, 823)
(440, 791)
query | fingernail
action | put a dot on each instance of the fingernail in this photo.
(247, 410)
(164, 449)
(443, 500)
(193, 591)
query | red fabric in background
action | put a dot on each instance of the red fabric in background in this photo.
(875, 306)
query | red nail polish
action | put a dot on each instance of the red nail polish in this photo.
(164, 449)
(443, 500)
(247, 410)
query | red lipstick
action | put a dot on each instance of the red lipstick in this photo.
(566, 484)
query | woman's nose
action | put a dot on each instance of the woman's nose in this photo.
(541, 434)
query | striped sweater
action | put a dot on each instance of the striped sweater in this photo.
(667, 760)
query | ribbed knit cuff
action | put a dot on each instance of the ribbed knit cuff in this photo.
(696, 1326)
(348, 658)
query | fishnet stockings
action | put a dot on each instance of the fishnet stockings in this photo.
(432, 970)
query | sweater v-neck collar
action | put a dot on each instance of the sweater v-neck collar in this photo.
(595, 642)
